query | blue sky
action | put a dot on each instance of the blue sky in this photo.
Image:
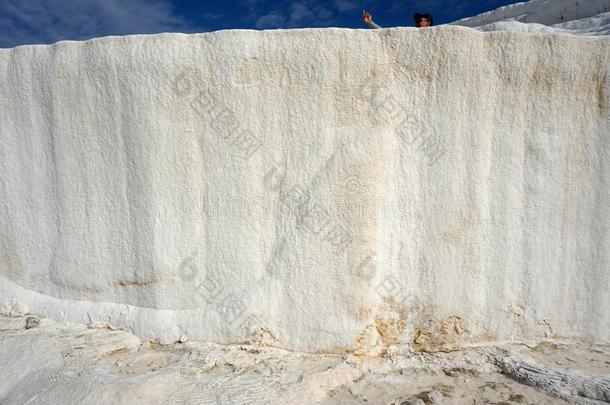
(47, 21)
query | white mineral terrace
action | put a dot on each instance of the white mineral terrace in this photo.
(317, 190)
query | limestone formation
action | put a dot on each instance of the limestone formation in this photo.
(320, 190)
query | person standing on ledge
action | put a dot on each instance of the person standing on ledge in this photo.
(421, 20)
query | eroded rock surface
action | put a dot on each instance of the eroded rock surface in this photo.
(320, 190)
(59, 363)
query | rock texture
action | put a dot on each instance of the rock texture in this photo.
(320, 190)
(59, 363)
(549, 17)
(540, 12)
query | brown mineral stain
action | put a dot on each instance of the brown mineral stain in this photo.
(83, 287)
(138, 283)
(119, 351)
(547, 329)
(390, 330)
(363, 314)
(602, 103)
(440, 336)
(453, 327)
(262, 337)
(536, 76)
(375, 340)
(155, 344)
(366, 342)
(461, 229)
(422, 339)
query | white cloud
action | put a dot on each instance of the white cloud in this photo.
(289, 13)
(272, 20)
(212, 16)
(347, 5)
(254, 7)
(307, 13)
(300, 13)
(47, 21)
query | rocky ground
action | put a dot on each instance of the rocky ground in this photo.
(44, 362)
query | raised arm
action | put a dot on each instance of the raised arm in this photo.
(373, 25)
(368, 20)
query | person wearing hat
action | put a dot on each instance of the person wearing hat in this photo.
(421, 20)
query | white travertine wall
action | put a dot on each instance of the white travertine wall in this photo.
(319, 189)
(539, 12)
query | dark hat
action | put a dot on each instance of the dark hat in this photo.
(418, 16)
